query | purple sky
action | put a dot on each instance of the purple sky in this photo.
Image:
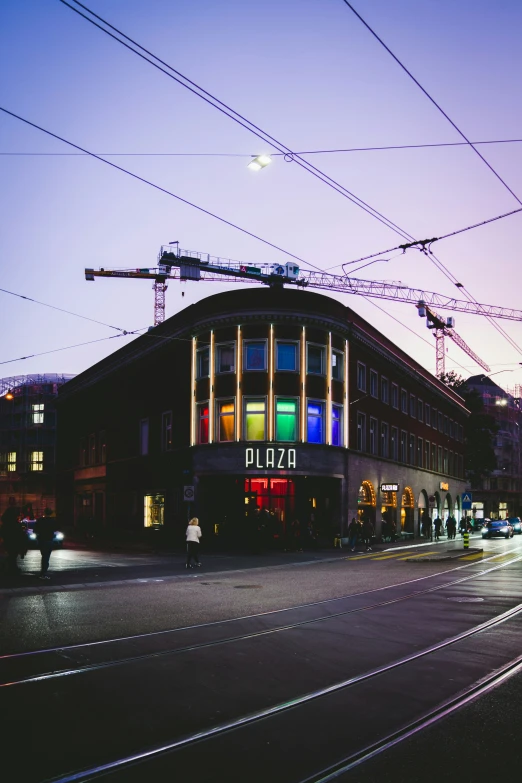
(310, 74)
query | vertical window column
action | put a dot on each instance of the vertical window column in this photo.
(211, 387)
(239, 378)
(302, 433)
(271, 384)
(346, 397)
(193, 394)
(328, 438)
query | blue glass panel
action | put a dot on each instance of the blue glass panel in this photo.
(286, 356)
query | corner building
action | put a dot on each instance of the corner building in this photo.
(273, 399)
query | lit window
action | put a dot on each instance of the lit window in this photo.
(337, 425)
(287, 357)
(202, 414)
(374, 381)
(361, 376)
(154, 510)
(38, 413)
(255, 355)
(315, 422)
(255, 419)
(144, 439)
(203, 363)
(337, 366)
(7, 462)
(286, 420)
(226, 420)
(226, 358)
(315, 365)
(36, 460)
(166, 431)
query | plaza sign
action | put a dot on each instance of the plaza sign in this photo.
(268, 457)
(389, 487)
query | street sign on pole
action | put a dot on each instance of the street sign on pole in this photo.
(188, 494)
(467, 498)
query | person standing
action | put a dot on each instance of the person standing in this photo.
(44, 529)
(13, 535)
(353, 533)
(437, 524)
(368, 532)
(193, 536)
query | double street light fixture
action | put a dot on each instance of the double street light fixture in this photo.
(258, 163)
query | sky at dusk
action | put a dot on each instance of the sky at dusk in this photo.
(309, 73)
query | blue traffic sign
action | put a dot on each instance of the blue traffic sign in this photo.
(467, 498)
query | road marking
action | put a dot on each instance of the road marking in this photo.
(472, 557)
(401, 555)
(421, 554)
(501, 558)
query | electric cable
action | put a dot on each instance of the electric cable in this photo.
(66, 348)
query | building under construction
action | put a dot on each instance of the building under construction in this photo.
(28, 440)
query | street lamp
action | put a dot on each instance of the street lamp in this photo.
(259, 163)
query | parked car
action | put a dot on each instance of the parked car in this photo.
(494, 528)
(516, 524)
(32, 538)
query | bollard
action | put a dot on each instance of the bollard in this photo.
(466, 539)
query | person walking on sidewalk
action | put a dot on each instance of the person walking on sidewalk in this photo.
(44, 529)
(193, 536)
(437, 524)
(368, 532)
(354, 529)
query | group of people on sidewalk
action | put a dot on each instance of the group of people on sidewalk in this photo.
(360, 530)
(14, 537)
(434, 529)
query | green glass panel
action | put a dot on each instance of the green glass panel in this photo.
(285, 427)
(255, 426)
(286, 406)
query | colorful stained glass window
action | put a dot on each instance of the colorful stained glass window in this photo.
(286, 420)
(337, 425)
(255, 419)
(226, 420)
(203, 422)
(255, 355)
(315, 416)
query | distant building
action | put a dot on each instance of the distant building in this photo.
(277, 402)
(500, 495)
(28, 440)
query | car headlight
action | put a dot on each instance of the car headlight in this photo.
(59, 536)
(504, 529)
(33, 536)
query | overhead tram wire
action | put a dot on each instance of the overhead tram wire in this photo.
(225, 109)
(67, 347)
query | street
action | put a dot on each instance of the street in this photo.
(280, 666)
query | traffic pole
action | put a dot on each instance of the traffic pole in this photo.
(466, 539)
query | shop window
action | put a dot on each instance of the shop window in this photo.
(255, 419)
(404, 446)
(203, 363)
(287, 355)
(255, 355)
(337, 425)
(361, 376)
(404, 401)
(385, 390)
(36, 461)
(413, 406)
(394, 443)
(225, 358)
(373, 435)
(286, 419)
(384, 440)
(315, 359)
(374, 383)
(427, 411)
(226, 420)
(37, 413)
(315, 421)
(154, 511)
(412, 450)
(166, 431)
(361, 432)
(144, 438)
(395, 396)
(202, 422)
(337, 365)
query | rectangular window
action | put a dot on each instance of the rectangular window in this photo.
(315, 359)
(445, 464)
(427, 411)
(202, 422)
(420, 410)
(154, 510)
(427, 455)
(395, 396)
(225, 357)
(286, 419)
(92, 449)
(440, 420)
(361, 376)
(439, 461)
(361, 432)
(11, 461)
(413, 405)
(103, 447)
(226, 421)
(412, 450)
(315, 421)
(337, 366)
(451, 463)
(434, 418)
(420, 448)
(36, 462)
(144, 438)
(83, 452)
(461, 466)
(404, 446)
(433, 457)
(404, 401)
(394, 444)
(384, 440)
(385, 390)
(166, 431)
(373, 435)
(446, 425)
(452, 428)
(255, 419)
(374, 384)
(203, 362)
(37, 413)
(337, 425)
(255, 355)
(287, 357)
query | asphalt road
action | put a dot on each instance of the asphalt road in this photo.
(282, 667)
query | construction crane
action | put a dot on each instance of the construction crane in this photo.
(192, 265)
(445, 327)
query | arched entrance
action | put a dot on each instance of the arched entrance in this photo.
(435, 512)
(448, 508)
(366, 502)
(458, 509)
(422, 506)
(407, 511)
(389, 515)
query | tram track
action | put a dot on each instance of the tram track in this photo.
(64, 651)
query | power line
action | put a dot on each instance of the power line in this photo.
(234, 115)
(433, 101)
(152, 185)
(66, 348)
